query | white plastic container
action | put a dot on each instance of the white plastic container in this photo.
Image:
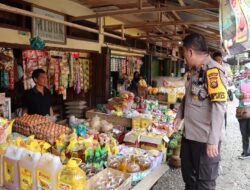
(47, 171)
(11, 170)
(1, 170)
(27, 169)
(3, 148)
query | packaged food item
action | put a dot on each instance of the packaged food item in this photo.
(5, 129)
(110, 179)
(10, 164)
(130, 163)
(27, 169)
(71, 176)
(26, 123)
(172, 96)
(47, 172)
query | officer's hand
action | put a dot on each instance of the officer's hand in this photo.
(212, 150)
(177, 123)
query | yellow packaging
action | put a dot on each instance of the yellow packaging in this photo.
(136, 122)
(11, 170)
(172, 97)
(145, 123)
(5, 129)
(25, 179)
(8, 172)
(71, 177)
(160, 147)
(3, 147)
(44, 180)
(47, 171)
(27, 170)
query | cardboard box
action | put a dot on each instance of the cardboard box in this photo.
(126, 185)
(153, 142)
(132, 140)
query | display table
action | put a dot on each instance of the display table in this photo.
(148, 182)
(115, 120)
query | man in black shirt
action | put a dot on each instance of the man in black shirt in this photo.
(38, 99)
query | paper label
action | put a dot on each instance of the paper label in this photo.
(44, 181)
(63, 186)
(8, 172)
(166, 139)
(25, 179)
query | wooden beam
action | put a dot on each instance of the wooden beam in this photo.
(208, 32)
(210, 2)
(206, 29)
(152, 24)
(14, 10)
(123, 32)
(203, 15)
(214, 38)
(140, 4)
(211, 36)
(145, 10)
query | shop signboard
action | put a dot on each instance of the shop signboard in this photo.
(235, 25)
(49, 31)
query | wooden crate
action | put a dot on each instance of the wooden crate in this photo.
(126, 185)
(115, 120)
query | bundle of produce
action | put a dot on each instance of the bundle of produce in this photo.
(153, 90)
(49, 132)
(121, 103)
(24, 124)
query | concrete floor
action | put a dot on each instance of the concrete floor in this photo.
(234, 173)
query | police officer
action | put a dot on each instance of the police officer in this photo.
(203, 110)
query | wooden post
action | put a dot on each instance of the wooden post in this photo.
(123, 31)
(140, 4)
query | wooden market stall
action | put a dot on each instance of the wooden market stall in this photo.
(101, 41)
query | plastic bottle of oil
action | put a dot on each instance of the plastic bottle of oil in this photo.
(3, 147)
(27, 169)
(172, 96)
(71, 176)
(46, 172)
(11, 170)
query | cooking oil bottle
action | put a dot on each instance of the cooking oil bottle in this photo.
(3, 147)
(47, 170)
(10, 163)
(71, 176)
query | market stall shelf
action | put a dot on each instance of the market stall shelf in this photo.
(115, 120)
(152, 178)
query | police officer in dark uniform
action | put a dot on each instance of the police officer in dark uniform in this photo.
(203, 110)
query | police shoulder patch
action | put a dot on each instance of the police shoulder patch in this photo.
(216, 88)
